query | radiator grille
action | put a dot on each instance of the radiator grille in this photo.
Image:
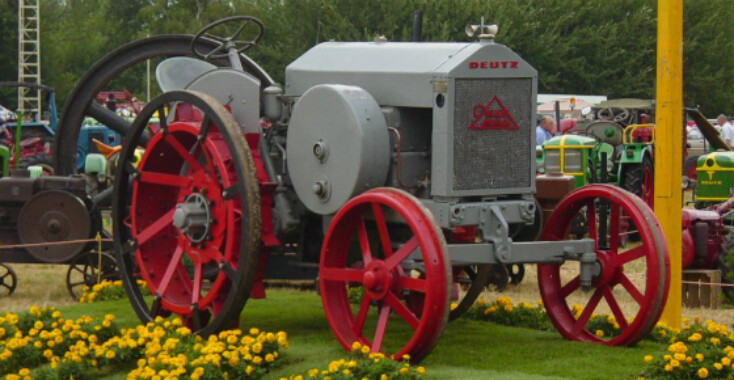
(492, 150)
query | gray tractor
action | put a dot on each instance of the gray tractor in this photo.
(389, 169)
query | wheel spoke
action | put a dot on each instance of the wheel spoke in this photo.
(364, 308)
(402, 253)
(382, 229)
(176, 145)
(164, 179)
(212, 254)
(380, 329)
(616, 310)
(239, 30)
(364, 242)
(341, 274)
(414, 284)
(631, 289)
(172, 265)
(630, 255)
(570, 287)
(614, 228)
(586, 314)
(155, 227)
(108, 118)
(394, 302)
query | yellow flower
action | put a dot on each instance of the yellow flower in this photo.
(365, 349)
(699, 357)
(420, 370)
(703, 373)
(680, 357)
(383, 377)
(355, 346)
(718, 366)
(675, 363)
(269, 358)
(599, 333)
(725, 361)
(648, 358)
(24, 372)
(110, 354)
(695, 337)
(254, 331)
(668, 368)
(404, 370)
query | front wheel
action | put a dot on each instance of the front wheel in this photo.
(633, 282)
(388, 275)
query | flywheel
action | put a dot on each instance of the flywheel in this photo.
(54, 216)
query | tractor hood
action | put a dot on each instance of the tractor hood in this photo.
(401, 73)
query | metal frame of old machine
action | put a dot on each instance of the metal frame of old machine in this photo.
(416, 159)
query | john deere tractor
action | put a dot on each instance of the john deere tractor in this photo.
(615, 148)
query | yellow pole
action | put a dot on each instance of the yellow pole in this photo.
(668, 150)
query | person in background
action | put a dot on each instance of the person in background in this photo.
(544, 130)
(727, 130)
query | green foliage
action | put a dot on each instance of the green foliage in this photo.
(577, 46)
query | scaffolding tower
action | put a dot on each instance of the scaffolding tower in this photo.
(29, 56)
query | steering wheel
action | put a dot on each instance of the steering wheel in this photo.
(226, 43)
(614, 113)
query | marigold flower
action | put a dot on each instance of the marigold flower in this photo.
(718, 366)
(699, 357)
(356, 346)
(420, 370)
(648, 358)
(599, 333)
(725, 361)
(703, 373)
(668, 368)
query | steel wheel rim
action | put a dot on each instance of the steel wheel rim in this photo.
(223, 152)
(88, 263)
(8, 280)
(333, 276)
(653, 250)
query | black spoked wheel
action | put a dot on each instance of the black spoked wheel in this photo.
(81, 102)
(469, 282)
(8, 280)
(188, 215)
(88, 269)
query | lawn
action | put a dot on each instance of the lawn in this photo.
(468, 349)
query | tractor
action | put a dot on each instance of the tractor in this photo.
(616, 148)
(391, 167)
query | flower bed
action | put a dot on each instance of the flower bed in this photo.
(41, 344)
(106, 291)
(363, 364)
(698, 350)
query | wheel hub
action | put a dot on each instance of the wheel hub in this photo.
(193, 217)
(377, 279)
(608, 271)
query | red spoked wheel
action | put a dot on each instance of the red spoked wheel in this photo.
(410, 258)
(193, 209)
(632, 282)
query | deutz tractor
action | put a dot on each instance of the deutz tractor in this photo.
(617, 148)
(386, 166)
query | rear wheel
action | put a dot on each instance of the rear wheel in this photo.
(188, 215)
(639, 180)
(88, 269)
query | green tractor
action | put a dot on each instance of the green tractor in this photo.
(617, 148)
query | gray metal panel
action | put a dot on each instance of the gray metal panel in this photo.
(394, 73)
(348, 127)
(236, 89)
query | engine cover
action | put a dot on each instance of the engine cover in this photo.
(338, 146)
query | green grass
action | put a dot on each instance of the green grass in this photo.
(467, 350)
